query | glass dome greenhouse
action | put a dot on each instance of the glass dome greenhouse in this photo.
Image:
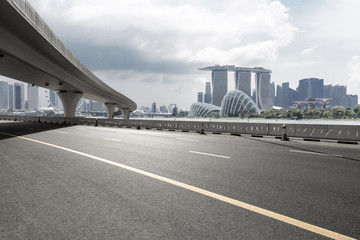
(235, 103)
(199, 109)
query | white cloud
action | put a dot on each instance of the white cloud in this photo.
(307, 51)
(147, 87)
(354, 75)
(232, 31)
(300, 64)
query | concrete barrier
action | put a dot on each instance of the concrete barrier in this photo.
(311, 131)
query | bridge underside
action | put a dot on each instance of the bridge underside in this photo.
(28, 55)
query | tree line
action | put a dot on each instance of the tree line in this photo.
(336, 112)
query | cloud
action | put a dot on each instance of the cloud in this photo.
(198, 31)
(354, 75)
(147, 87)
(150, 50)
(307, 51)
(300, 64)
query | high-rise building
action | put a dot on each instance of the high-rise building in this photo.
(153, 107)
(200, 97)
(207, 96)
(11, 96)
(293, 96)
(219, 78)
(279, 96)
(352, 101)
(163, 109)
(33, 97)
(311, 88)
(219, 82)
(19, 102)
(4, 95)
(262, 84)
(272, 93)
(243, 81)
(253, 96)
(52, 98)
(285, 94)
(96, 106)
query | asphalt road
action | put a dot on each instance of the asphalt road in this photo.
(85, 182)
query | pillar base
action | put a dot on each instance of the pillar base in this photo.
(126, 113)
(69, 101)
(110, 108)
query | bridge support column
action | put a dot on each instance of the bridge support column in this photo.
(126, 113)
(69, 101)
(110, 108)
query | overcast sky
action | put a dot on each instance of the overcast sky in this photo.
(150, 50)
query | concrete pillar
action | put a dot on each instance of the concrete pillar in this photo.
(69, 101)
(110, 107)
(126, 113)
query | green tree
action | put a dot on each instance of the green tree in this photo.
(357, 110)
(338, 112)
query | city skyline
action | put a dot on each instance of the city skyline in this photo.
(160, 52)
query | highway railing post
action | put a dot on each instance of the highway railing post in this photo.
(202, 129)
(284, 135)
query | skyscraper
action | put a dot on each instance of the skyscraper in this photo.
(11, 97)
(243, 81)
(19, 102)
(33, 97)
(153, 107)
(219, 86)
(4, 95)
(207, 96)
(163, 109)
(311, 88)
(52, 98)
(263, 99)
(285, 95)
(272, 93)
(200, 97)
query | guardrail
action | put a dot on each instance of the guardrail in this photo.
(309, 131)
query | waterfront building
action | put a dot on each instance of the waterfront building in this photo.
(311, 88)
(19, 102)
(4, 95)
(243, 81)
(203, 110)
(153, 107)
(33, 97)
(236, 103)
(11, 96)
(219, 81)
(200, 97)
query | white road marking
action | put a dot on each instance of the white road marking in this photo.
(209, 154)
(112, 139)
(315, 153)
(187, 139)
(249, 207)
(63, 132)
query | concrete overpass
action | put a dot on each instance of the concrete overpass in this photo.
(32, 53)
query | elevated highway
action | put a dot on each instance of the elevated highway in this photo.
(32, 53)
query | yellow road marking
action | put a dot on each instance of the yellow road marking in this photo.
(264, 212)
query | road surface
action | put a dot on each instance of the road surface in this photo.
(86, 182)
